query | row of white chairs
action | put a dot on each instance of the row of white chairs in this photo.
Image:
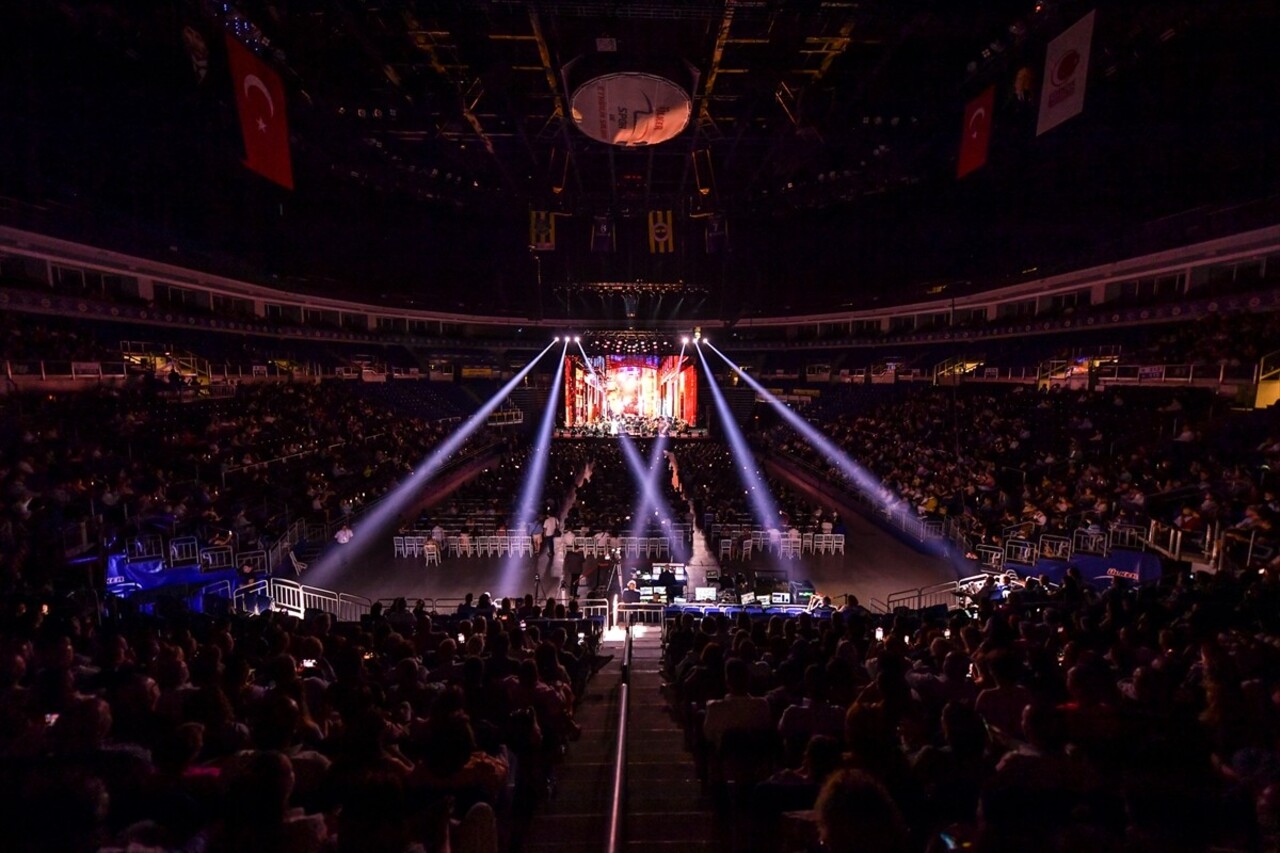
(473, 546)
(630, 546)
(785, 546)
(504, 544)
(417, 547)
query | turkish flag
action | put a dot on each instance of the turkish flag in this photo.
(977, 132)
(260, 100)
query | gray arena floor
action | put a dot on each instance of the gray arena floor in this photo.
(874, 565)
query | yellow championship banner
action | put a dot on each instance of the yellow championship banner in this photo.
(662, 236)
(542, 231)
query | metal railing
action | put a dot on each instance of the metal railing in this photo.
(1176, 543)
(1240, 552)
(926, 596)
(1130, 536)
(80, 370)
(293, 598)
(614, 833)
(1176, 374)
(1269, 367)
(1025, 374)
(644, 613)
(588, 608)
(1021, 551)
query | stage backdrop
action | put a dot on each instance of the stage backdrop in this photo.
(610, 387)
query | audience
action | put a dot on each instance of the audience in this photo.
(1139, 718)
(1014, 462)
(1110, 716)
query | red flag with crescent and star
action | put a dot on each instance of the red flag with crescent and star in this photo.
(261, 103)
(977, 133)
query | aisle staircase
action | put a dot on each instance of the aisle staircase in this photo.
(576, 818)
(661, 806)
(665, 805)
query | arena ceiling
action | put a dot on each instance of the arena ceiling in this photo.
(825, 134)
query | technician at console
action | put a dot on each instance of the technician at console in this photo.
(667, 580)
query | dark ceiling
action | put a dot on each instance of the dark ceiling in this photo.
(825, 133)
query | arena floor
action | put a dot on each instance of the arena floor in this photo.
(874, 565)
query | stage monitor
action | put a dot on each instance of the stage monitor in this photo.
(704, 593)
(641, 395)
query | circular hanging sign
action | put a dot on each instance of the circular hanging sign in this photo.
(630, 109)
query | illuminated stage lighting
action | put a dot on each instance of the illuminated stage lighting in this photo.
(595, 377)
(373, 530)
(753, 485)
(535, 475)
(630, 341)
(650, 496)
(864, 480)
(632, 288)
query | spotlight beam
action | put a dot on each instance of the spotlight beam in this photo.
(650, 495)
(757, 492)
(863, 480)
(594, 376)
(374, 528)
(536, 473)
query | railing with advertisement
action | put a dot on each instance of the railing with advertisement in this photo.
(1024, 374)
(79, 370)
(1180, 374)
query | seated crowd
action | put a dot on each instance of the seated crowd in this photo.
(21, 340)
(191, 731)
(1135, 720)
(1053, 461)
(229, 472)
(1138, 719)
(1231, 340)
